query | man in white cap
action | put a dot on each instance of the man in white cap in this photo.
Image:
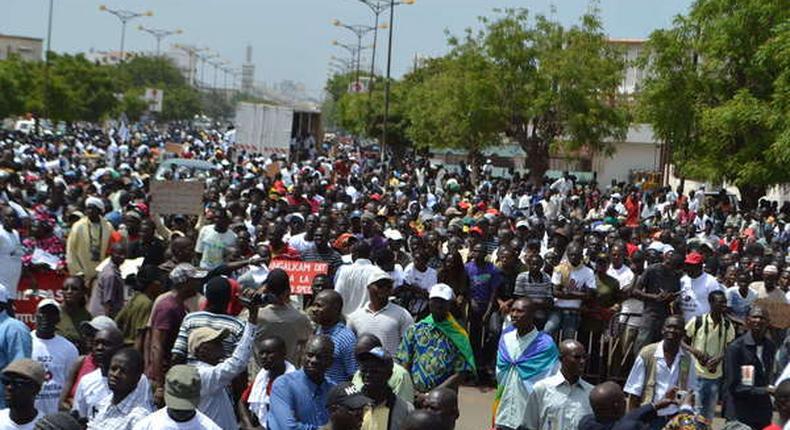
(89, 240)
(436, 350)
(182, 396)
(54, 352)
(379, 317)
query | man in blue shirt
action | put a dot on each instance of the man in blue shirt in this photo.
(298, 399)
(326, 313)
(15, 340)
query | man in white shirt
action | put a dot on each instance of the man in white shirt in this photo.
(216, 374)
(573, 282)
(271, 358)
(379, 317)
(122, 409)
(660, 367)
(182, 396)
(93, 387)
(213, 240)
(21, 381)
(10, 251)
(352, 281)
(562, 400)
(695, 287)
(54, 352)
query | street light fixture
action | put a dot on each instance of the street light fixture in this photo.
(193, 53)
(125, 16)
(393, 3)
(378, 7)
(159, 34)
(360, 31)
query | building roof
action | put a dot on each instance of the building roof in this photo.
(626, 41)
(12, 36)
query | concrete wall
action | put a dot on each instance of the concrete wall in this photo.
(29, 48)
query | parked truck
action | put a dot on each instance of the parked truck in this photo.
(267, 128)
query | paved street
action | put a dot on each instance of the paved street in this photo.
(475, 406)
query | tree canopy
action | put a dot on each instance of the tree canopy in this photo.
(717, 93)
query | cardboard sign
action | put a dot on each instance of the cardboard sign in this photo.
(177, 197)
(300, 273)
(174, 148)
(778, 313)
(272, 169)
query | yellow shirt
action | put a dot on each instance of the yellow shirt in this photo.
(711, 339)
(376, 418)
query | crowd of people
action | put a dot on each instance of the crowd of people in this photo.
(584, 306)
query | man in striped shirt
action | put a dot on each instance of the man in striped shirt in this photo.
(217, 294)
(325, 313)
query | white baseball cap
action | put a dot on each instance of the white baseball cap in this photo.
(442, 291)
(48, 302)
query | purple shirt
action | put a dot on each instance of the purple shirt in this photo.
(482, 280)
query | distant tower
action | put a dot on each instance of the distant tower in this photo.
(247, 73)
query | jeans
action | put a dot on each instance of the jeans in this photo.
(707, 396)
(565, 319)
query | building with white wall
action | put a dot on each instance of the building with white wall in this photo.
(27, 48)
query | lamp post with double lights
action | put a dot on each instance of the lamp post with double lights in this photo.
(360, 31)
(392, 4)
(378, 7)
(125, 16)
(159, 34)
(193, 57)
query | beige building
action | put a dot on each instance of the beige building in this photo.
(29, 48)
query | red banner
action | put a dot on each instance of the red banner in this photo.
(300, 273)
(25, 305)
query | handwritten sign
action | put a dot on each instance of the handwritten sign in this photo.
(177, 197)
(778, 313)
(300, 273)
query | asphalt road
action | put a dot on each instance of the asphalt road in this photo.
(475, 407)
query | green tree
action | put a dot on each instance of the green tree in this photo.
(454, 102)
(718, 84)
(557, 86)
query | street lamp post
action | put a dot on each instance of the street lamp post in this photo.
(360, 31)
(393, 3)
(159, 34)
(125, 16)
(377, 7)
(203, 60)
(192, 52)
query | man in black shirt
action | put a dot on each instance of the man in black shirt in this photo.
(748, 365)
(658, 288)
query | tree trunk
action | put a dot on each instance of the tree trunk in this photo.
(473, 160)
(537, 159)
(750, 195)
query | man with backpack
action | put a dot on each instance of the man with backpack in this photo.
(707, 338)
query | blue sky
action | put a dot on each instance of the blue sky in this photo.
(292, 38)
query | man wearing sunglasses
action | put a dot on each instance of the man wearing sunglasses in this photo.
(21, 380)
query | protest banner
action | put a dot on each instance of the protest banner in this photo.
(778, 313)
(177, 197)
(48, 285)
(300, 273)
